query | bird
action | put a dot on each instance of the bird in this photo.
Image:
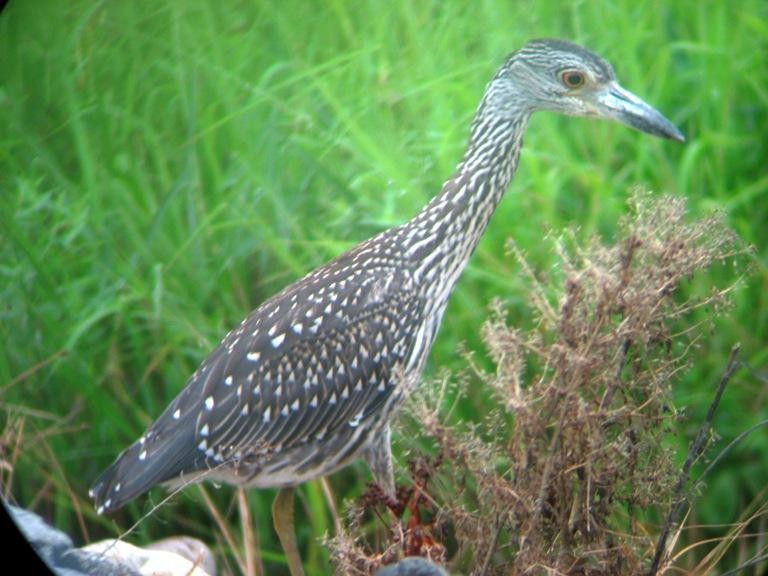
(311, 379)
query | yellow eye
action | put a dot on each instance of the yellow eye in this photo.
(572, 78)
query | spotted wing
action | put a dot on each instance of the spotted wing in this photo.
(315, 360)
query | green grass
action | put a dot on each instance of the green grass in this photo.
(164, 170)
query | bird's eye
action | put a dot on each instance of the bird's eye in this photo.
(572, 78)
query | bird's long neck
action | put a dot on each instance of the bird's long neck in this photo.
(442, 237)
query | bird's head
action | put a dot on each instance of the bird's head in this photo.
(564, 77)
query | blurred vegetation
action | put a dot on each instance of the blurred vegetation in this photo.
(164, 168)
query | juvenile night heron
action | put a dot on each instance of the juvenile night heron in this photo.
(310, 380)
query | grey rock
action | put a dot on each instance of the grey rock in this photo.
(170, 557)
(150, 562)
(413, 566)
(190, 548)
(56, 549)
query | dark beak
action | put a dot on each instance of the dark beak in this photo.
(618, 104)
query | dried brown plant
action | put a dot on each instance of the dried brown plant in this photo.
(565, 476)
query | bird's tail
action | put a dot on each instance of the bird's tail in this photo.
(137, 469)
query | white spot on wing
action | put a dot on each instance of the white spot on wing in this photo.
(355, 422)
(204, 430)
(267, 414)
(277, 340)
(253, 356)
(209, 403)
(228, 380)
(143, 455)
(298, 327)
(177, 414)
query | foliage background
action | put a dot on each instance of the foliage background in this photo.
(165, 167)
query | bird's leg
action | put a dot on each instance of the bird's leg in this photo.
(282, 518)
(378, 455)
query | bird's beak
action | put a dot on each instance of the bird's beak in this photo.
(618, 104)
